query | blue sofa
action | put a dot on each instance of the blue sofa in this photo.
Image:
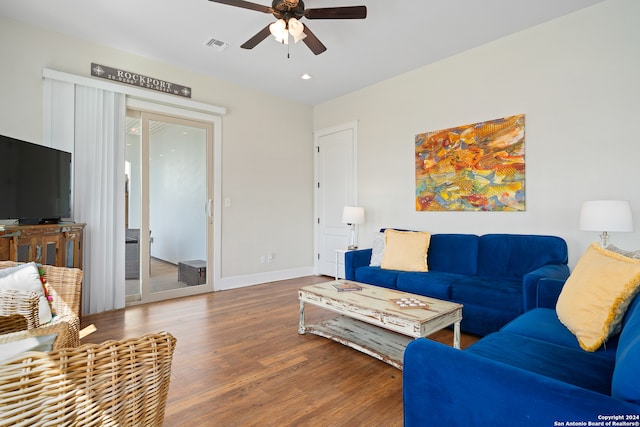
(530, 373)
(495, 276)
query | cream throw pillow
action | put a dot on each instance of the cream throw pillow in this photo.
(11, 349)
(629, 254)
(596, 295)
(405, 250)
(27, 277)
(377, 250)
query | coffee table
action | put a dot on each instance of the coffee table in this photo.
(372, 321)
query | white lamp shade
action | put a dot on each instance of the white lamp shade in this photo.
(352, 215)
(606, 215)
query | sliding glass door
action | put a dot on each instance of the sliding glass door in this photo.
(168, 163)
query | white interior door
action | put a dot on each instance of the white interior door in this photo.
(336, 187)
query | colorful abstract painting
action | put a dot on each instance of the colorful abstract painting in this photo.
(476, 167)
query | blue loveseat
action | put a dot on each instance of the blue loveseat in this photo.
(495, 276)
(530, 373)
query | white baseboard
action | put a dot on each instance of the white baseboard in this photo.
(235, 282)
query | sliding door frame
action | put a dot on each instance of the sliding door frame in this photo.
(214, 177)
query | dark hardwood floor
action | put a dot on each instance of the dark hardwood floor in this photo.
(239, 361)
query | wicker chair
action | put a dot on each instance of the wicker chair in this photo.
(19, 309)
(116, 383)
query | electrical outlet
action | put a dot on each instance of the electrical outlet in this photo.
(270, 257)
(263, 259)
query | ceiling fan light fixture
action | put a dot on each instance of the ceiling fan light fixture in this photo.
(278, 29)
(296, 29)
(287, 13)
(297, 38)
(283, 39)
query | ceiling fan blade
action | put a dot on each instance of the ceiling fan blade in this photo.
(312, 42)
(347, 12)
(253, 41)
(245, 5)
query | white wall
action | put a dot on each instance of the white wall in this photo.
(577, 81)
(178, 194)
(267, 172)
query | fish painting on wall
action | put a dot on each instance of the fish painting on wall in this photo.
(476, 167)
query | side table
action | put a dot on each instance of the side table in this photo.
(340, 261)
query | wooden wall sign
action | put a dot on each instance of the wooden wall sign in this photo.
(135, 79)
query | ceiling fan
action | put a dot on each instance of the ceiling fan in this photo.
(288, 14)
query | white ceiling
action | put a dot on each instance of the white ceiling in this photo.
(396, 37)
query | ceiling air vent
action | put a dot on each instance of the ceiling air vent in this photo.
(219, 44)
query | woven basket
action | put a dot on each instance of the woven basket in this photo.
(65, 286)
(116, 383)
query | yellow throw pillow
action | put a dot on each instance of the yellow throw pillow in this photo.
(405, 250)
(596, 295)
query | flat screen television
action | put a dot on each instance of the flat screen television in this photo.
(35, 182)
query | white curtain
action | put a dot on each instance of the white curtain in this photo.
(99, 182)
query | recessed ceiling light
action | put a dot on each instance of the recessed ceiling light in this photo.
(305, 76)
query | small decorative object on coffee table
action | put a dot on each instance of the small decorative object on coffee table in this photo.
(346, 285)
(410, 303)
(373, 321)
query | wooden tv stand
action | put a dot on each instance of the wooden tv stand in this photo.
(52, 244)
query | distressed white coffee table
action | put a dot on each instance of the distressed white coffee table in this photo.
(372, 321)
